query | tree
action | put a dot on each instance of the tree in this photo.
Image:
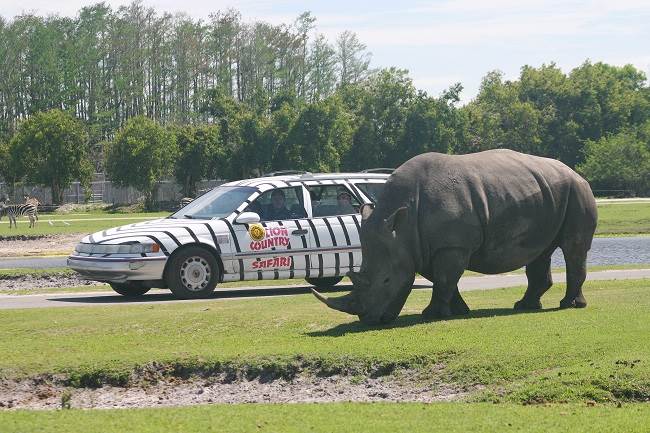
(284, 153)
(200, 155)
(322, 69)
(381, 107)
(141, 155)
(321, 136)
(353, 59)
(499, 119)
(51, 149)
(620, 161)
(432, 124)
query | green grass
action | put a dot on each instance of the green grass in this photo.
(600, 353)
(86, 222)
(32, 272)
(339, 417)
(623, 219)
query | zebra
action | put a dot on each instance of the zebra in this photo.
(16, 210)
(34, 201)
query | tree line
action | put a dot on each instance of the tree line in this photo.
(105, 66)
(310, 106)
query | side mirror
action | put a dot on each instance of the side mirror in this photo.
(366, 210)
(247, 218)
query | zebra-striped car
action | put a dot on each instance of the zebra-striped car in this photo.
(268, 228)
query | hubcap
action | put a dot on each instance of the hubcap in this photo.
(195, 273)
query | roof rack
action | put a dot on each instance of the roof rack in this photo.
(378, 170)
(283, 173)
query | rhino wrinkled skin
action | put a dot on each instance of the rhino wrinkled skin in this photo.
(489, 212)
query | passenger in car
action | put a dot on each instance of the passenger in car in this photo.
(344, 202)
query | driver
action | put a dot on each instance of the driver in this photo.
(277, 209)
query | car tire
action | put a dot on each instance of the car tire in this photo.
(325, 282)
(130, 290)
(192, 273)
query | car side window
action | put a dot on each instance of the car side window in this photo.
(331, 200)
(279, 204)
(371, 190)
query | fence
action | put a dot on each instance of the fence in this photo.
(101, 191)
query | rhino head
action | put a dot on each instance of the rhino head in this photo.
(387, 271)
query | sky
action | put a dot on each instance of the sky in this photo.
(446, 41)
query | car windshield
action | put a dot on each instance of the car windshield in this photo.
(218, 203)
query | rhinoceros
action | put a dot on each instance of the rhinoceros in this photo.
(490, 212)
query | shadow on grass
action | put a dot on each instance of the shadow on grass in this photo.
(407, 320)
(244, 292)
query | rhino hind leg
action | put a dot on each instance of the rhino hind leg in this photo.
(575, 257)
(539, 281)
(458, 304)
(448, 266)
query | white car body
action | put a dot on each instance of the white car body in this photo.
(309, 246)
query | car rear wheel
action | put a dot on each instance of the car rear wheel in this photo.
(131, 289)
(192, 273)
(324, 283)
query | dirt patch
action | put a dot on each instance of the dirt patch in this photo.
(403, 387)
(43, 245)
(26, 282)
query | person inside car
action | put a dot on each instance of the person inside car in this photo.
(344, 202)
(277, 209)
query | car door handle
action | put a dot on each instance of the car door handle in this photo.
(299, 232)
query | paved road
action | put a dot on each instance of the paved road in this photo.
(162, 296)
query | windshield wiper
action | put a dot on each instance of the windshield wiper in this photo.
(195, 217)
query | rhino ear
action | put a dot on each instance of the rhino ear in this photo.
(366, 210)
(394, 219)
(358, 279)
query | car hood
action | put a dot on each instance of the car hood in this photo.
(169, 232)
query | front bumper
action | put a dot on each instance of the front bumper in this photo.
(118, 269)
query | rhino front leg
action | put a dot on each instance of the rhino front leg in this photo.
(448, 266)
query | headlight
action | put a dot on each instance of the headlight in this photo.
(117, 249)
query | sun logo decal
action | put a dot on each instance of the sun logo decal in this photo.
(256, 232)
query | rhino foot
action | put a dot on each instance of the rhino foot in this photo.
(435, 312)
(459, 307)
(525, 304)
(577, 302)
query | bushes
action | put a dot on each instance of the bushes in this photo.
(620, 161)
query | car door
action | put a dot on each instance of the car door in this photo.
(276, 247)
(335, 226)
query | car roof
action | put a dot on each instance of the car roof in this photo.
(306, 178)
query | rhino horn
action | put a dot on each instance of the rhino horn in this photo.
(346, 303)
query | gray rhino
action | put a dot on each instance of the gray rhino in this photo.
(489, 212)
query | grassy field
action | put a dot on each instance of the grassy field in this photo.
(600, 353)
(619, 219)
(623, 219)
(342, 417)
(86, 222)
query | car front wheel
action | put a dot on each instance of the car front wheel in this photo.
(131, 289)
(324, 283)
(192, 273)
